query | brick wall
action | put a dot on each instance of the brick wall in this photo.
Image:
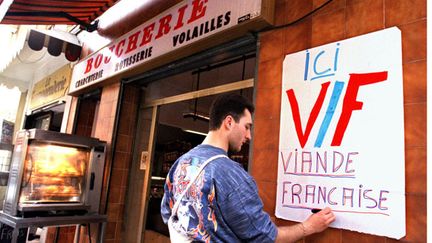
(339, 20)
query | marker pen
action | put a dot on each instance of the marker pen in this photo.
(315, 210)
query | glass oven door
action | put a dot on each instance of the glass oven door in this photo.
(54, 174)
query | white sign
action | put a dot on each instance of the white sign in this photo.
(179, 26)
(341, 139)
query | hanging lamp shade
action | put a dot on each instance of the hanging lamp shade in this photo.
(56, 42)
(36, 40)
(55, 46)
(72, 52)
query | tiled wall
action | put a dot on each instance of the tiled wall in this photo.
(104, 127)
(86, 117)
(116, 168)
(104, 131)
(339, 20)
(121, 160)
(84, 127)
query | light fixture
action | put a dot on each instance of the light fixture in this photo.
(56, 42)
(196, 116)
(195, 132)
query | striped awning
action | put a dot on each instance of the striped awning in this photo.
(48, 12)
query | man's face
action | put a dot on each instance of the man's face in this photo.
(241, 132)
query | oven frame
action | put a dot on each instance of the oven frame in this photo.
(94, 176)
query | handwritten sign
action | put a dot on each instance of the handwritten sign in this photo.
(341, 141)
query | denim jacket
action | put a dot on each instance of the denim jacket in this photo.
(223, 204)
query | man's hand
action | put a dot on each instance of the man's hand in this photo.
(319, 221)
(315, 223)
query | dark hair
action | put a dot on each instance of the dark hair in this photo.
(228, 104)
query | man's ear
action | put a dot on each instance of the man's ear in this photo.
(228, 122)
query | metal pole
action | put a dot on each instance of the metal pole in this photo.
(77, 233)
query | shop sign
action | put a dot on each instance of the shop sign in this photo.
(341, 141)
(51, 88)
(179, 26)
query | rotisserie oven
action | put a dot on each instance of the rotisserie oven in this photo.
(55, 173)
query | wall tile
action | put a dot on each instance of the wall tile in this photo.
(270, 43)
(283, 222)
(328, 28)
(71, 117)
(413, 41)
(266, 134)
(415, 125)
(125, 125)
(117, 177)
(358, 12)
(105, 108)
(85, 118)
(128, 109)
(127, 118)
(267, 193)
(118, 233)
(329, 235)
(111, 92)
(131, 93)
(124, 182)
(281, 10)
(267, 103)
(120, 216)
(114, 193)
(355, 237)
(416, 219)
(399, 12)
(113, 109)
(390, 240)
(113, 211)
(51, 234)
(414, 76)
(124, 143)
(265, 165)
(269, 74)
(110, 231)
(104, 128)
(332, 6)
(300, 31)
(415, 167)
(122, 194)
(121, 160)
(297, 9)
(152, 236)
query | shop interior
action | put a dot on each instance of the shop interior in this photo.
(183, 125)
(177, 134)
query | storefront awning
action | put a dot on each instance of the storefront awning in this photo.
(49, 12)
(40, 50)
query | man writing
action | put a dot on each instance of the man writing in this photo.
(222, 204)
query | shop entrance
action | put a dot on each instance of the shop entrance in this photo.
(177, 133)
(172, 119)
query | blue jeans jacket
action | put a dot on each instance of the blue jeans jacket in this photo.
(223, 204)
